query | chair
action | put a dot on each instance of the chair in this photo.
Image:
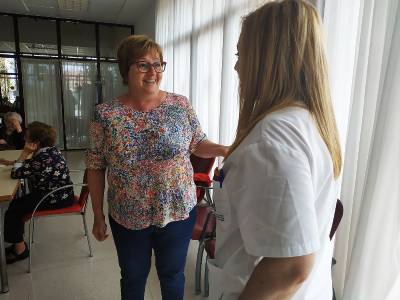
(202, 165)
(336, 218)
(207, 222)
(78, 208)
(202, 168)
(210, 250)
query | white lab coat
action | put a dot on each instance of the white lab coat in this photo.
(277, 200)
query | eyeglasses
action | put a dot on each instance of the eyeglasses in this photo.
(144, 66)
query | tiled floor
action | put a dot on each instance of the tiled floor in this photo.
(62, 270)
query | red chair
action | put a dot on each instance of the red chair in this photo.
(202, 165)
(78, 208)
(201, 169)
(203, 227)
(336, 218)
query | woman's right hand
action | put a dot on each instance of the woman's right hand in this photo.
(6, 162)
(100, 228)
(3, 142)
(30, 147)
(16, 125)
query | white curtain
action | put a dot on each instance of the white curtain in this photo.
(79, 93)
(199, 40)
(363, 39)
(42, 93)
(341, 24)
(320, 5)
(111, 81)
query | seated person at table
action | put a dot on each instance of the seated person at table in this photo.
(45, 171)
(11, 133)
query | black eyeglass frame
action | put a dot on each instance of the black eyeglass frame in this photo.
(163, 64)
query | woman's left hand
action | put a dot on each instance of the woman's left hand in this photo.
(224, 150)
(208, 149)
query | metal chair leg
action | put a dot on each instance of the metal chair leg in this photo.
(33, 230)
(199, 263)
(87, 235)
(3, 269)
(31, 222)
(206, 285)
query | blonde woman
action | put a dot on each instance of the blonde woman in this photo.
(277, 201)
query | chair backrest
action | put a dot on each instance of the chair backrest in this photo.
(336, 218)
(201, 168)
(202, 165)
(84, 195)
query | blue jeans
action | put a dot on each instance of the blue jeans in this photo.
(134, 249)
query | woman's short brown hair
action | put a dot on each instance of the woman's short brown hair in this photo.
(42, 133)
(132, 48)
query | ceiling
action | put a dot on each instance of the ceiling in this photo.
(108, 11)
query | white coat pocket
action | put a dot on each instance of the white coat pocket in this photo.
(216, 280)
(223, 286)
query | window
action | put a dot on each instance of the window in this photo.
(78, 39)
(110, 37)
(8, 80)
(111, 80)
(37, 36)
(7, 42)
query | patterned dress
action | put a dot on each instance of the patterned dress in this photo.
(150, 177)
(46, 171)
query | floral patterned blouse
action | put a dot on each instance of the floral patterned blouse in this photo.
(46, 171)
(150, 177)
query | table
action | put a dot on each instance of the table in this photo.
(8, 189)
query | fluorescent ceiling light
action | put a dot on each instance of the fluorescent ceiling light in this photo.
(74, 5)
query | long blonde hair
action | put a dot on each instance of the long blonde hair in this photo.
(282, 63)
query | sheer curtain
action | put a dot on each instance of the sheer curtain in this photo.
(79, 91)
(199, 40)
(111, 81)
(365, 83)
(341, 24)
(41, 82)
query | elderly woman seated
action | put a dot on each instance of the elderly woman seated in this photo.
(46, 170)
(11, 133)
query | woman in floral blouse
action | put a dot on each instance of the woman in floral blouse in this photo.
(45, 171)
(144, 139)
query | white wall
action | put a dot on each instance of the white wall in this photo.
(147, 23)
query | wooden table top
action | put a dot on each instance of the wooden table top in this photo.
(8, 186)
